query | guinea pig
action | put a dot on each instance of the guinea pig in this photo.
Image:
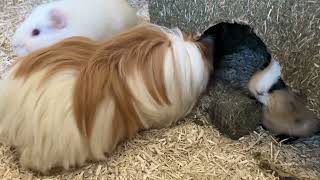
(50, 23)
(285, 113)
(78, 99)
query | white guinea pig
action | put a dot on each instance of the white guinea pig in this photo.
(50, 23)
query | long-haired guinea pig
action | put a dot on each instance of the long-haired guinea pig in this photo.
(76, 100)
(95, 19)
(285, 113)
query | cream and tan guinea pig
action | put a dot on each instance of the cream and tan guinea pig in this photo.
(285, 113)
(50, 23)
(78, 99)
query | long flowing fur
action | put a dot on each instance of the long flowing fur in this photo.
(77, 100)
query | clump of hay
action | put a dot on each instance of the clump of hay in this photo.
(190, 150)
(232, 112)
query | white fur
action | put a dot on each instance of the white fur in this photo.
(268, 78)
(41, 123)
(193, 77)
(95, 19)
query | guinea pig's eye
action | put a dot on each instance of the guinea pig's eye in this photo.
(35, 32)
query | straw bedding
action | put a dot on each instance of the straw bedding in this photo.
(191, 149)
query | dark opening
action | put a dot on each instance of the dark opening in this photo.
(238, 53)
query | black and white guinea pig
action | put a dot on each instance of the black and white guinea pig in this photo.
(52, 22)
(284, 112)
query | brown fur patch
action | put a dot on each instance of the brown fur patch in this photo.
(141, 51)
(71, 53)
(287, 113)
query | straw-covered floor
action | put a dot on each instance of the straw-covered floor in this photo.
(191, 149)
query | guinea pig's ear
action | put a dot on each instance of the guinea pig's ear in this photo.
(57, 18)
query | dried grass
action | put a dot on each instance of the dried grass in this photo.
(191, 149)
